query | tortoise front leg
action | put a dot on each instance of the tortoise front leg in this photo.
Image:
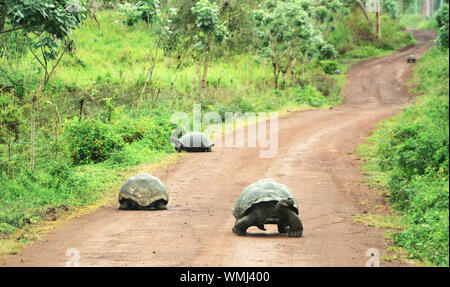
(289, 218)
(295, 224)
(128, 204)
(281, 228)
(124, 205)
(160, 205)
(242, 224)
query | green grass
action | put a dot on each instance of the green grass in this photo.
(383, 221)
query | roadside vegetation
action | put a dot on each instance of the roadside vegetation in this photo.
(87, 92)
(409, 157)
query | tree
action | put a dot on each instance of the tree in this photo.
(158, 29)
(285, 33)
(324, 13)
(390, 7)
(94, 6)
(47, 25)
(209, 26)
(363, 9)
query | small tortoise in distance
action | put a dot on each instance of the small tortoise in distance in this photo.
(143, 192)
(192, 142)
(411, 59)
(267, 202)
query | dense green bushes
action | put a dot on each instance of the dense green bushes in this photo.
(414, 144)
(412, 148)
(427, 236)
(442, 18)
(91, 141)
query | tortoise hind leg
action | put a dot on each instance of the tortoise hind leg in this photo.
(261, 226)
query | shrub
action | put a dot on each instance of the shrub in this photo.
(91, 141)
(362, 52)
(132, 130)
(384, 45)
(329, 66)
(442, 18)
(309, 95)
(428, 234)
(413, 143)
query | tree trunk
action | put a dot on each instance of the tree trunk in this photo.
(303, 69)
(33, 114)
(250, 70)
(3, 12)
(36, 97)
(81, 102)
(206, 63)
(9, 154)
(32, 132)
(365, 14)
(198, 73)
(149, 77)
(291, 84)
(57, 133)
(94, 16)
(284, 79)
(276, 74)
(155, 100)
(205, 71)
(378, 20)
(264, 72)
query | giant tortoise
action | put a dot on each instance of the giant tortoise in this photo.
(411, 59)
(267, 202)
(192, 142)
(143, 192)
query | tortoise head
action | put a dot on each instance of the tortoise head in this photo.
(287, 202)
(177, 143)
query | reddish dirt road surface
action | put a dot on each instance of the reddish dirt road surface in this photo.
(314, 160)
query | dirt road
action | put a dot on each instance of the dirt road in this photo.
(314, 160)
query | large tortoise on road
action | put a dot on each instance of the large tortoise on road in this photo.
(143, 192)
(267, 202)
(192, 142)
